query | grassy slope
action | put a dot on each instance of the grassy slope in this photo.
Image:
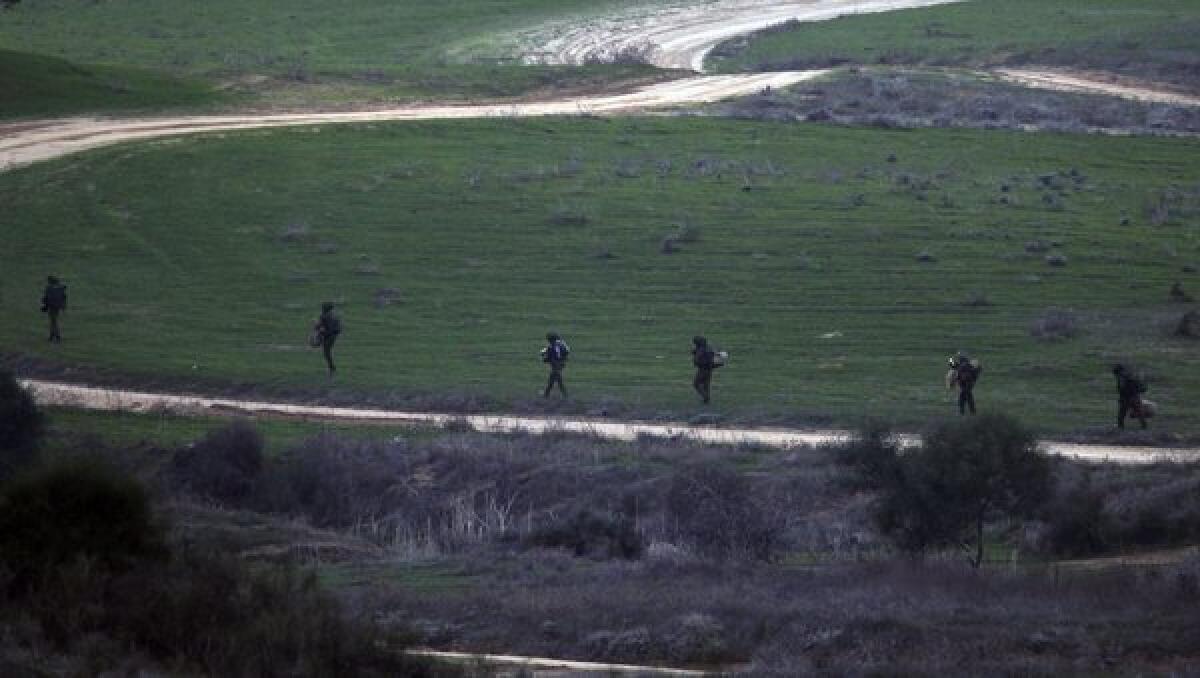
(41, 86)
(308, 51)
(475, 225)
(1154, 38)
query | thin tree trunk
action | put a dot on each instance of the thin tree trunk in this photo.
(978, 541)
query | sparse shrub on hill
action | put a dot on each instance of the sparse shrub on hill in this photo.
(1054, 324)
(20, 425)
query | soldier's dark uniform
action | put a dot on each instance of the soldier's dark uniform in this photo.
(555, 355)
(1129, 396)
(54, 302)
(965, 376)
(705, 360)
(329, 326)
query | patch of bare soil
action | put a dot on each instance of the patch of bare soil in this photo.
(1098, 83)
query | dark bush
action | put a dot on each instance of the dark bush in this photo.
(1189, 325)
(204, 614)
(592, 535)
(872, 454)
(964, 474)
(335, 483)
(20, 425)
(226, 465)
(72, 511)
(1078, 524)
(713, 507)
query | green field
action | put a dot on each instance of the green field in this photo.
(289, 55)
(1155, 38)
(66, 427)
(41, 86)
(453, 247)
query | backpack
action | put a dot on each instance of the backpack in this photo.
(331, 324)
(560, 351)
(56, 296)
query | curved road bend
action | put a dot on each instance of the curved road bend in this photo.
(90, 397)
(26, 143)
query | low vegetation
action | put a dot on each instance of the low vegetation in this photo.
(653, 551)
(892, 98)
(1149, 40)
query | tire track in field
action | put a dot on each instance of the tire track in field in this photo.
(95, 398)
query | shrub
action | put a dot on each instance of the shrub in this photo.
(226, 465)
(593, 535)
(964, 474)
(1078, 524)
(1054, 325)
(20, 425)
(871, 454)
(71, 511)
(713, 508)
(1189, 325)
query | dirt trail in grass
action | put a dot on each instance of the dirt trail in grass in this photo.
(1096, 83)
(681, 34)
(90, 397)
(25, 143)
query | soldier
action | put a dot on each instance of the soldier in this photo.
(705, 360)
(964, 372)
(1129, 396)
(555, 355)
(327, 329)
(54, 302)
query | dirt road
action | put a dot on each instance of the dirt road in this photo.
(1096, 83)
(25, 143)
(681, 34)
(89, 397)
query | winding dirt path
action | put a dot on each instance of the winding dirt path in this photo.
(680, 35)
(95, 398)
(26, 143)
